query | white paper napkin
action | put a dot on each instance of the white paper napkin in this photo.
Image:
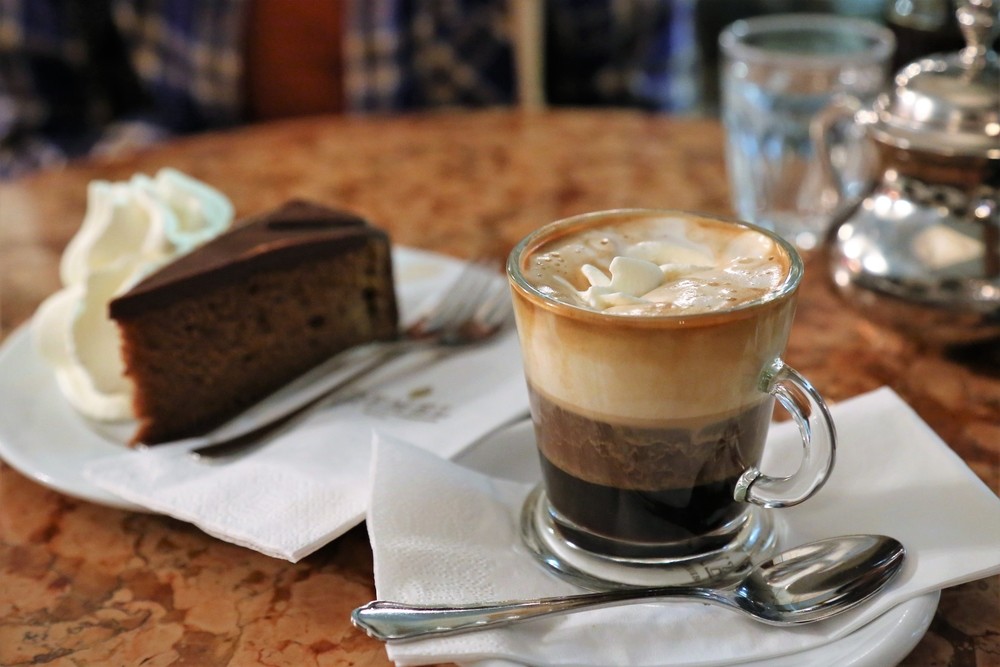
(444, 533)
(310, 483)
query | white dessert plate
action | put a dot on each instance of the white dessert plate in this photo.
(510, 454)
(44, 438)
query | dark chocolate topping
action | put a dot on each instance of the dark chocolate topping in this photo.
(297, 231)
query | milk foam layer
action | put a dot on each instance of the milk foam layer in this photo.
(659, 266)
(656, 371)
(130, 229)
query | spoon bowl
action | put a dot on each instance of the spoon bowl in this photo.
(817, 580)
(804, 584)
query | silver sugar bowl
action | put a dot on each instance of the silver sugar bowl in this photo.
(921, 250)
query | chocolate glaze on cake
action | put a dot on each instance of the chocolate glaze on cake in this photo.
(222, 327)
(297, 231)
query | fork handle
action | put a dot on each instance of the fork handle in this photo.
(228, 443)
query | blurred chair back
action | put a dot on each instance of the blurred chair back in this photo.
(294, 64)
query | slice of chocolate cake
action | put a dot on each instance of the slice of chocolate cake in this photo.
(220, 328)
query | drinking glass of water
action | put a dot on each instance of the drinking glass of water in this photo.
(779, 72)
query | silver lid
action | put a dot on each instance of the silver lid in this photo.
(948, 104)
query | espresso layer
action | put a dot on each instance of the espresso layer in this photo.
(675, 455)
(642, 518)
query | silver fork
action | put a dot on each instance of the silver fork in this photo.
(472, 309)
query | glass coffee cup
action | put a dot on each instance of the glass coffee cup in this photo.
(652, 345)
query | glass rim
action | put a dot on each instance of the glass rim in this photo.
(516, 276)
(733, 45)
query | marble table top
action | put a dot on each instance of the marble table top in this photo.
(87, 584)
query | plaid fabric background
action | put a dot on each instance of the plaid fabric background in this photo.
(408, 54)
(81, 76)
(188, 56)
(375, 54)
(154, 67)
(404, 54)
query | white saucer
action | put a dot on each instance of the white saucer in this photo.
(510, 454)
(45, 439)
(41, 435)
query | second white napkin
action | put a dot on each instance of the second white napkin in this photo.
(444, 533)
(310, 484)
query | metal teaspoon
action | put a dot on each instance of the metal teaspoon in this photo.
(807, 583)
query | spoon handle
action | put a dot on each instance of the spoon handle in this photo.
(387, 620)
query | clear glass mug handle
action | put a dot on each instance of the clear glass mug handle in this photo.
(819, 444)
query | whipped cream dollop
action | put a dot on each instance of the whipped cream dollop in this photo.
(130, 229)
(674, 266)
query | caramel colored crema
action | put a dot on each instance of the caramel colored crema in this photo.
(659, 265)
(680, 338)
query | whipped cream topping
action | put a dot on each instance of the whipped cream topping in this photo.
(130, 229)
(675, 267)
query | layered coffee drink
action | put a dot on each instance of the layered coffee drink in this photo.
(645, 336)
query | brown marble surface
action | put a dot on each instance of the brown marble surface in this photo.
(83, 584)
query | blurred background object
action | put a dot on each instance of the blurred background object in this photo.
(98, 76)
(85, 76)
(921, 250)
(922, 27)
(779, 73)
(712, 16)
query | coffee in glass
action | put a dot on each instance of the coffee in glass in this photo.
(652, 345)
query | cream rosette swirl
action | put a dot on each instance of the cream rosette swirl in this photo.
(130, 229)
